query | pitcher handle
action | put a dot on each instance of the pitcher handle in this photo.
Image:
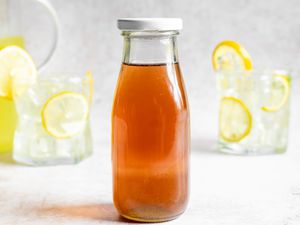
(55, 34)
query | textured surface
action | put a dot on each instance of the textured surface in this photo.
(225, 190)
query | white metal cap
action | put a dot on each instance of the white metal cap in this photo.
(149, 24)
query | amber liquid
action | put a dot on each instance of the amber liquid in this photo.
(150, 143)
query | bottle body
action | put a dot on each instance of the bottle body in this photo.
(150, 142)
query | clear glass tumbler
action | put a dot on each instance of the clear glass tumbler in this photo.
(53, 126)
(253, 111)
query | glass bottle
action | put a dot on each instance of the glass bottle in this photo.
(150, 124)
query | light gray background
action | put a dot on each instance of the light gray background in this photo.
(225, 190)
(89, 40)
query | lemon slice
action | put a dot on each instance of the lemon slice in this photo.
(90, 84)
(235, 119)
(17, 71)
(279, 95)
(230, 55)
(64, 115)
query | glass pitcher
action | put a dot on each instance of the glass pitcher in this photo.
(150, 124)
(13, 29)
(13, 14)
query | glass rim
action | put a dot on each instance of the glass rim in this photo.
(54, 77)
(262, 72)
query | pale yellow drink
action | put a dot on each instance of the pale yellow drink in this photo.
(8, 120)
(12, 40)
(8, 115)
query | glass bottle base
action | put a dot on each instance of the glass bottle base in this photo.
(149, 219)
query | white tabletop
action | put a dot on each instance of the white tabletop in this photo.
(225, 189)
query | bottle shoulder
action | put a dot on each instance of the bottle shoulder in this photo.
(152, 88)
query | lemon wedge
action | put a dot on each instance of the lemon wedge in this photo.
(17, 71)
(235, 119)
(230, 55)
(64, 115)
(279, 94)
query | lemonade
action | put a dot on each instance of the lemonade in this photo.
(53, 125)
(8, 116)
(254, 111)
(12, 41)
(8, 120)
(253, 104)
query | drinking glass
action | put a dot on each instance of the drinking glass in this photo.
(253, 111)
(53, 126)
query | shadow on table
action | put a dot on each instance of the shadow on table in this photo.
(104, 212)
(204, 146)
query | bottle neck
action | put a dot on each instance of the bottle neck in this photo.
(150, 48)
